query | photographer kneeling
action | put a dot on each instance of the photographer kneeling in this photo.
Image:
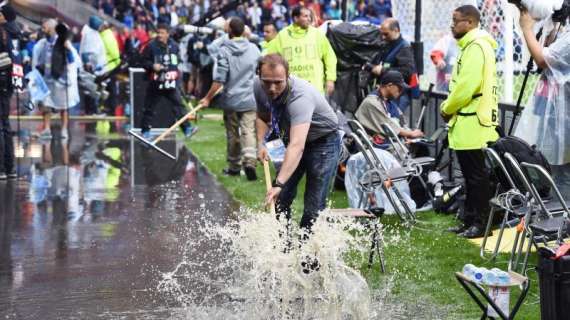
(546, 119)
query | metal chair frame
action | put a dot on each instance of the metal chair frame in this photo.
(539, 212)
(378, 175)
(415, 166)
(564, 214)
(495, 161)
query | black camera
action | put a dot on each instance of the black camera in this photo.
(563, 13)
(559, 15)
(368, 67)
(517, 3)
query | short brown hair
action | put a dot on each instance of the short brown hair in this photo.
(236, 27)
(273, 60)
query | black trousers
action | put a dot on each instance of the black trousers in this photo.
(6, 134)
(111, 102)
(477, 186)
(174, 104)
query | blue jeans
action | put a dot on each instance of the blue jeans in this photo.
(319, 162)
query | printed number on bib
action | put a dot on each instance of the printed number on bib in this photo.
(18, 76)
(168, 80)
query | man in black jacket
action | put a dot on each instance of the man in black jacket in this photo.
(396, 54)
(160, 59)
(8, 32)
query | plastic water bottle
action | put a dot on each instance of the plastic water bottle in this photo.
(503, 278)
(473, 273)
(490, 277)
(468, 270)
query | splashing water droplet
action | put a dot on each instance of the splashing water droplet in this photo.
(256, 268)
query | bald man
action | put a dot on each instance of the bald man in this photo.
(396, 54)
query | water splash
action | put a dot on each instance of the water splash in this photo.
(247, 269)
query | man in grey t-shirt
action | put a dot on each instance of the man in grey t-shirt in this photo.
(291, 109)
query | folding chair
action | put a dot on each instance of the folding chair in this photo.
(517, 280)
(377, 175)
(552, 225)
(512, 201)
(415, 166)
(545, 219)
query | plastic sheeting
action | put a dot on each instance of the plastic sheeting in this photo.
(545, 121)
(447, 45)
(354, 45)
(356, 167)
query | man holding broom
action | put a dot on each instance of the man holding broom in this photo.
(160, 60)
(294, 111)
(234, 70)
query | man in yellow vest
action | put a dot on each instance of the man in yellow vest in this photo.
(113, 61)
(307, 50)
(471, 110)
(269, 33)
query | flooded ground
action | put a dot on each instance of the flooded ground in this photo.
(100, 227)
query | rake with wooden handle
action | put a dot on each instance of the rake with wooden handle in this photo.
(153, 144)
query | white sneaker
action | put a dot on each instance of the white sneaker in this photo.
(45, 134)
(64, 134)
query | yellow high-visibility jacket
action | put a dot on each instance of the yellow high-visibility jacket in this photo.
(111, 49)
(472, 100)
(308, 52)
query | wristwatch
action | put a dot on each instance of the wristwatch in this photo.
(277, 184)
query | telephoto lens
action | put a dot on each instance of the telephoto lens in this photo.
(5, 60)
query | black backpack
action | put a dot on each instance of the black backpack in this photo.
(523, 152)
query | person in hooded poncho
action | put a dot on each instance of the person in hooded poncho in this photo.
(545, 121)
(59, 63)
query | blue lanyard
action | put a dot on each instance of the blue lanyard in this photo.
(277, 109)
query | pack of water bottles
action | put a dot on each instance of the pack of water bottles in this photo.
(494, 277)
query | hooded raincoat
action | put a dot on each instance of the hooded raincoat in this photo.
(60, 98)
(472, 100)
(235, 64)
(308, 52)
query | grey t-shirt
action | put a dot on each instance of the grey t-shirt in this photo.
(303, 104)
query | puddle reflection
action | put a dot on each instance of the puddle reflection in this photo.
(89, 220)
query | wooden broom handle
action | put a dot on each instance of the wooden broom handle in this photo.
(181, 121)
(177, 124)
(268, 183)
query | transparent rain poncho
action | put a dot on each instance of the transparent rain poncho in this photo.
(355, 169)
(545, 122)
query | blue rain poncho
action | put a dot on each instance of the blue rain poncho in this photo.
(545, 121)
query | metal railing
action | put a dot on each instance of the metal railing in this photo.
(433, 120)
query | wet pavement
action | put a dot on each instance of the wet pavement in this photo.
(92, 223)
